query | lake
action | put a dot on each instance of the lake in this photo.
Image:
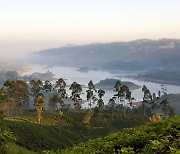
(71, 74)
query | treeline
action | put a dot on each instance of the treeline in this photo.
(15, 97)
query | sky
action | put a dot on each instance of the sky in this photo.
(33, 25)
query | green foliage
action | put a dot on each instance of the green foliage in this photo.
(161, 137)
(5, 136)
(69, 131)
(41, 137)
(12, 148)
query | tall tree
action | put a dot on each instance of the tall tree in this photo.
(166, 108)
(3, 100)
(40, 104)
(36, 88)
(53, 100)
(17, 93)
(76, 94)
(61, 89)
(20, 94)
(91, 97)
(100, 101)
(48, 88)
(147, 99)
(9, 103)
(124, 95)
(112, 105)
(117, 88)
(9, 84)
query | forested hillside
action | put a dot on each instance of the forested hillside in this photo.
(134, 55)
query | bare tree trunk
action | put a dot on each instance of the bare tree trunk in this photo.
(39, 118)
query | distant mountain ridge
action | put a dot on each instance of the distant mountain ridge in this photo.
(134, 55)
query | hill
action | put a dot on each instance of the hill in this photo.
(110, 83)
(134, 55)
(160, 137)
(53, 134)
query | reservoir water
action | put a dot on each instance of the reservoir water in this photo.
(71, 74)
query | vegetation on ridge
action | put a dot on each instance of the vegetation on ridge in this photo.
(161, 137)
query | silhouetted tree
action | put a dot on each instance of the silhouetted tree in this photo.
(100, 102)
(147, 99)
(112, 105)
(76, 94)
(91, 97)
(60, 86)
(117, 88)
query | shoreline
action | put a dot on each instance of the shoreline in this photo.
(170, 82)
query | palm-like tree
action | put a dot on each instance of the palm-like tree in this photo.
(40, 104)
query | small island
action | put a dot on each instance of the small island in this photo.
(83, 69)
(109, 84)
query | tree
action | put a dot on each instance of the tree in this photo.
(3, 99)
(47, 87)
(3, 95)
(17, 94)
(36, 88)
(76, 94)
(123, 94)
(9, 84)
(9, 104)
(20, 94)
(40, 104)
(117, 88)
(166, 108)
(91, 97)
(112, 105)
(53, 100)
(147, 99)
(61, 85)
(100, 101)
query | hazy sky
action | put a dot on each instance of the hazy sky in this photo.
(31, 25)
